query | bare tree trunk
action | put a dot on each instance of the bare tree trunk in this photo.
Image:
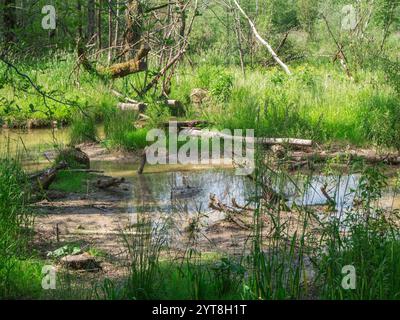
(110, 31)
(134, 23)
(10, 21)
(116, 26)
(262, 41)
(79, 9)
(182, 29)
(91, 19)
(99, 26)
(238, 31)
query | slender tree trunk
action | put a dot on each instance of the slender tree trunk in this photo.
(99, 25)
(262, 41)
(91, 19)
(134, 23)
(79, 9)
(238, 31)
(182, 28)
(10, 21)
(110, 31)
(116, 26)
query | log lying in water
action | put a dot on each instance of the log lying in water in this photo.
(265, 141)
(105, 184)
(369, 157)
(187, 124)
(232, 213)
(43, 180)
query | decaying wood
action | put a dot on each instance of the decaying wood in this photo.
(231, 212)
(176, 107)
(139, 107)
(371, 158)
(265, 141)
(331, 201)
(86, 170)
(43, 180)
(187, 124)
(121, 96)
(132, 105)
(80, 262)
(118, 70)
(77, 155)
(108, 183)
(174, 103)
(135, 65)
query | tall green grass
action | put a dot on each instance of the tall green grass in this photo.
(317, 102)
(19, 276)
(120, 131)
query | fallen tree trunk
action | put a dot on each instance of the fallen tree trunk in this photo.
(105, 184)
(371, 158)
(265, 141)
(44, 179)
(118, 70)
(232, 213)
(139, 107)
(121, 96)
(132, 105)
(187, 124)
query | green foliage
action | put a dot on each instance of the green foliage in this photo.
(217, 80)
(69, 181)
(371, 244)
(380, 120)
(15, 223)
(83, 129)
(64, 251)
(121, 133)
(307, 13)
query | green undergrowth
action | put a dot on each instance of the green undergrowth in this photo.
(72, 182)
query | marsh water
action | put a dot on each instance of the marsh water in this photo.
(164, 188)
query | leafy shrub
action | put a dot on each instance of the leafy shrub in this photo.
(217, 80)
